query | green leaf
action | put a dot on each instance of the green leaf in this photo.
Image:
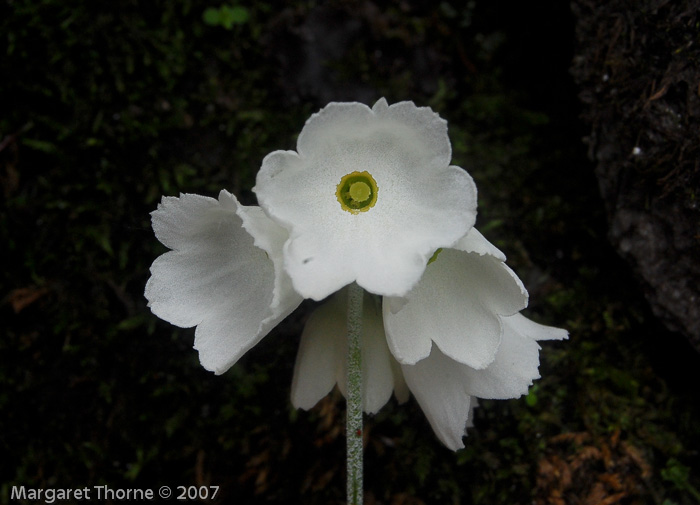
(679, 475)
(235, 15)
(39, 145)
(211, 16)
(531, 398)
(226, 16)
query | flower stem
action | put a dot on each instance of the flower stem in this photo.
(354, 396)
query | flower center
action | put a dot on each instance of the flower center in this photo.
(357, 192)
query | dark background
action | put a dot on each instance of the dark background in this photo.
(107, 106)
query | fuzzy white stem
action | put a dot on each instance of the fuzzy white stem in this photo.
(354, 396)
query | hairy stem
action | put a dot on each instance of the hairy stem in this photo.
(354, 396)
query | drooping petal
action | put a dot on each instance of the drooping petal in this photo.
(457, 305)
(214, 278)
(377, 371)
(447, 390)
(530, 329)
(438, 384)
(511, 373)
(475, 242)
(421, 202)
(401, 391)
(321, 361)
(320, 354)
(467, 304)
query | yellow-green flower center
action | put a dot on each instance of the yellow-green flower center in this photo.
(357, 192)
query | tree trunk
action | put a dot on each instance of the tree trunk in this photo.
(638, 68)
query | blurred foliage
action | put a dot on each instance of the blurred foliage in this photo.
(226, 16)
(108, 106)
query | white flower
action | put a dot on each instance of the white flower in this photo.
(465, 310)
(368, 196)
(456, 305)
(217, 277)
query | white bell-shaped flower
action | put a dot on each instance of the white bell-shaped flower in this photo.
(217, 277)
(368, 196)
(479, 345)
(456, 305)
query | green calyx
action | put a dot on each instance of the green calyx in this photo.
(434, 256)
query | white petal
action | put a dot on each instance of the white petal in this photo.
(401, 391)
(270, 237)
(429, 125)
(320, 354)
(475, 242)
(456, 304)
(335, 119)
(446, 389)
(378, 374)
(422, 203)
(531, 329)
(321, 361)
(408, 333)
(214, 278)
(511, 373)
(438, 384)
(346, 118)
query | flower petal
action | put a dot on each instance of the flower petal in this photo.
(422, 203)
(511, 373)
(456, 304)
(214, 278)
(475, 242)
(322, 362)
(401, 391)
(530, 329)
(430, 127)
(438, 384)
(320, 354)
(335, 119)
(378, 373)
(270, 237)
